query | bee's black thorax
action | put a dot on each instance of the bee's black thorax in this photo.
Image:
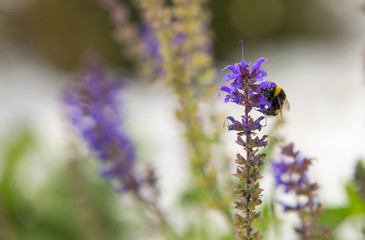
(276, 96)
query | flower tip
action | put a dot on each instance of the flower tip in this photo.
(241, 42)
(225, 68)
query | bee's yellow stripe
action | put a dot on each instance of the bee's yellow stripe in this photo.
(277, 91)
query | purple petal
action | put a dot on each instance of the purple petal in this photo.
(229, 67)
(229, 77)
(225, 89)
(237, 69)
(256, 67)
(231, 118)
(266, 84)
(244, 63)
(257, 123)
(237, 77)
(227, 98)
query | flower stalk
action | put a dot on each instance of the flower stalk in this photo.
(245, 91)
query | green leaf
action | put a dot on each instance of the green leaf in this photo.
(194, 195)
(11, 198)
(333, 217)
(15, 149)
(357, 206)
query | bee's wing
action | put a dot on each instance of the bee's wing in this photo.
(286, 105)
(281, 116)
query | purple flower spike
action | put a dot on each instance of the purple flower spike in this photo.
(291, 173)
(94, 110)
(245, 90)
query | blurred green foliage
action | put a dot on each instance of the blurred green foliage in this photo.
(69, 206)
(355, 207)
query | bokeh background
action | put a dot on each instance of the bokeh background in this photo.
(316, 48)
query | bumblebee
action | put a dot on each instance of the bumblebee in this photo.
(277, 97)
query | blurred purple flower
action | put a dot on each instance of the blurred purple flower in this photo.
(178, 39)
(291, 173)
(151, 51)
(150, 43)
(94, 110)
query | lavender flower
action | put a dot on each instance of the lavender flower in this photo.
(93, 107)
(151, 54)
(236, 92)
(150, 40)
(291, 173)
(245, 91)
